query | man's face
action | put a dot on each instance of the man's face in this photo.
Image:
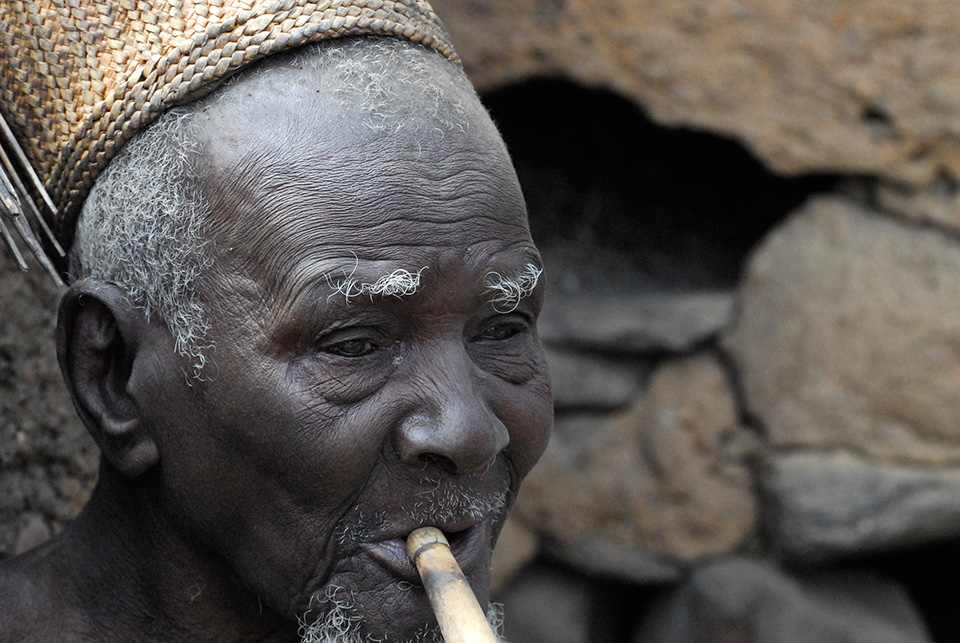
(341, 411)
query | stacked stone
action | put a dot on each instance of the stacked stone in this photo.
(740, 451)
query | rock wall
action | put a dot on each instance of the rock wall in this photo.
(759, 460)
(768, 453)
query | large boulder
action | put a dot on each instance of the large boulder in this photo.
(826, 506)
(846, 347)
(547, 605)
(847, 337)
(635, 322)
(601, 301)
(752, 601)
(854, 87)
(643, 493)
(583, 380)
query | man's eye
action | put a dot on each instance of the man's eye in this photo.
(502, 331)
(352, 347)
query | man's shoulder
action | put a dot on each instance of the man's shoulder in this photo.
(30, 594)
(21, 600)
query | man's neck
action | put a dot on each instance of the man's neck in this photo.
(121, 571)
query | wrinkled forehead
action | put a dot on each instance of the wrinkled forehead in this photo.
(301, 170)
(340, 97)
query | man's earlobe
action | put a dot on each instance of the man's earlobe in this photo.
(98, 335)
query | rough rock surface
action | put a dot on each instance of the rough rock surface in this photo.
(828, 506)
(861, 87)
(47, 460)
(847, 337)
(547, 605)
(644, 492)
(938, 204)
(516, 548)
(751, 601)
(598, 301)
(584, 380)
(635, 323)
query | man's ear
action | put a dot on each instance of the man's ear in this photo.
(98, 336)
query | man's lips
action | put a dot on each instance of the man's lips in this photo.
(468, 546)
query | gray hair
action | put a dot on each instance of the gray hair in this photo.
(143, 227)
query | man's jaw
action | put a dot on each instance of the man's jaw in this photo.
(340, 624)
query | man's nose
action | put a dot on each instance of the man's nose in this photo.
(453, 426)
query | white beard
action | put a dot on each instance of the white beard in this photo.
(341, 625)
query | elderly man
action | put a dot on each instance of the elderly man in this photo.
(302, 323)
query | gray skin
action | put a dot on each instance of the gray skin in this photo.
(219, 502)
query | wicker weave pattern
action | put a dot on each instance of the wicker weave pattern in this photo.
(78, 78)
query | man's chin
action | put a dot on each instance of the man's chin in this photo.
(333, 631)
(341, 623)
(325, 632)
(337, 618)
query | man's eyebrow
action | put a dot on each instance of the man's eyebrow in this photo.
(508, 290)
(399, 283)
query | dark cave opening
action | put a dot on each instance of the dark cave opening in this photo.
(681, 207)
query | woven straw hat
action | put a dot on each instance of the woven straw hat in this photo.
(78, 78)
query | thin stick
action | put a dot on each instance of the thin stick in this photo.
(19, 220)
(18, 151)
(10, 209)
(459, 614)
(12, 246)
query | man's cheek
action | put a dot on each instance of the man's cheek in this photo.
(530, 420)
(331, 451)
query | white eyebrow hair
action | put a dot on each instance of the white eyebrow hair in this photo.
(509, 290)
(399, 283)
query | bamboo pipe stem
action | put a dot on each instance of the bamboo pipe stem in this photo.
(459, 614)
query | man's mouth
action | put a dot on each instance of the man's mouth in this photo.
(469, 544)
